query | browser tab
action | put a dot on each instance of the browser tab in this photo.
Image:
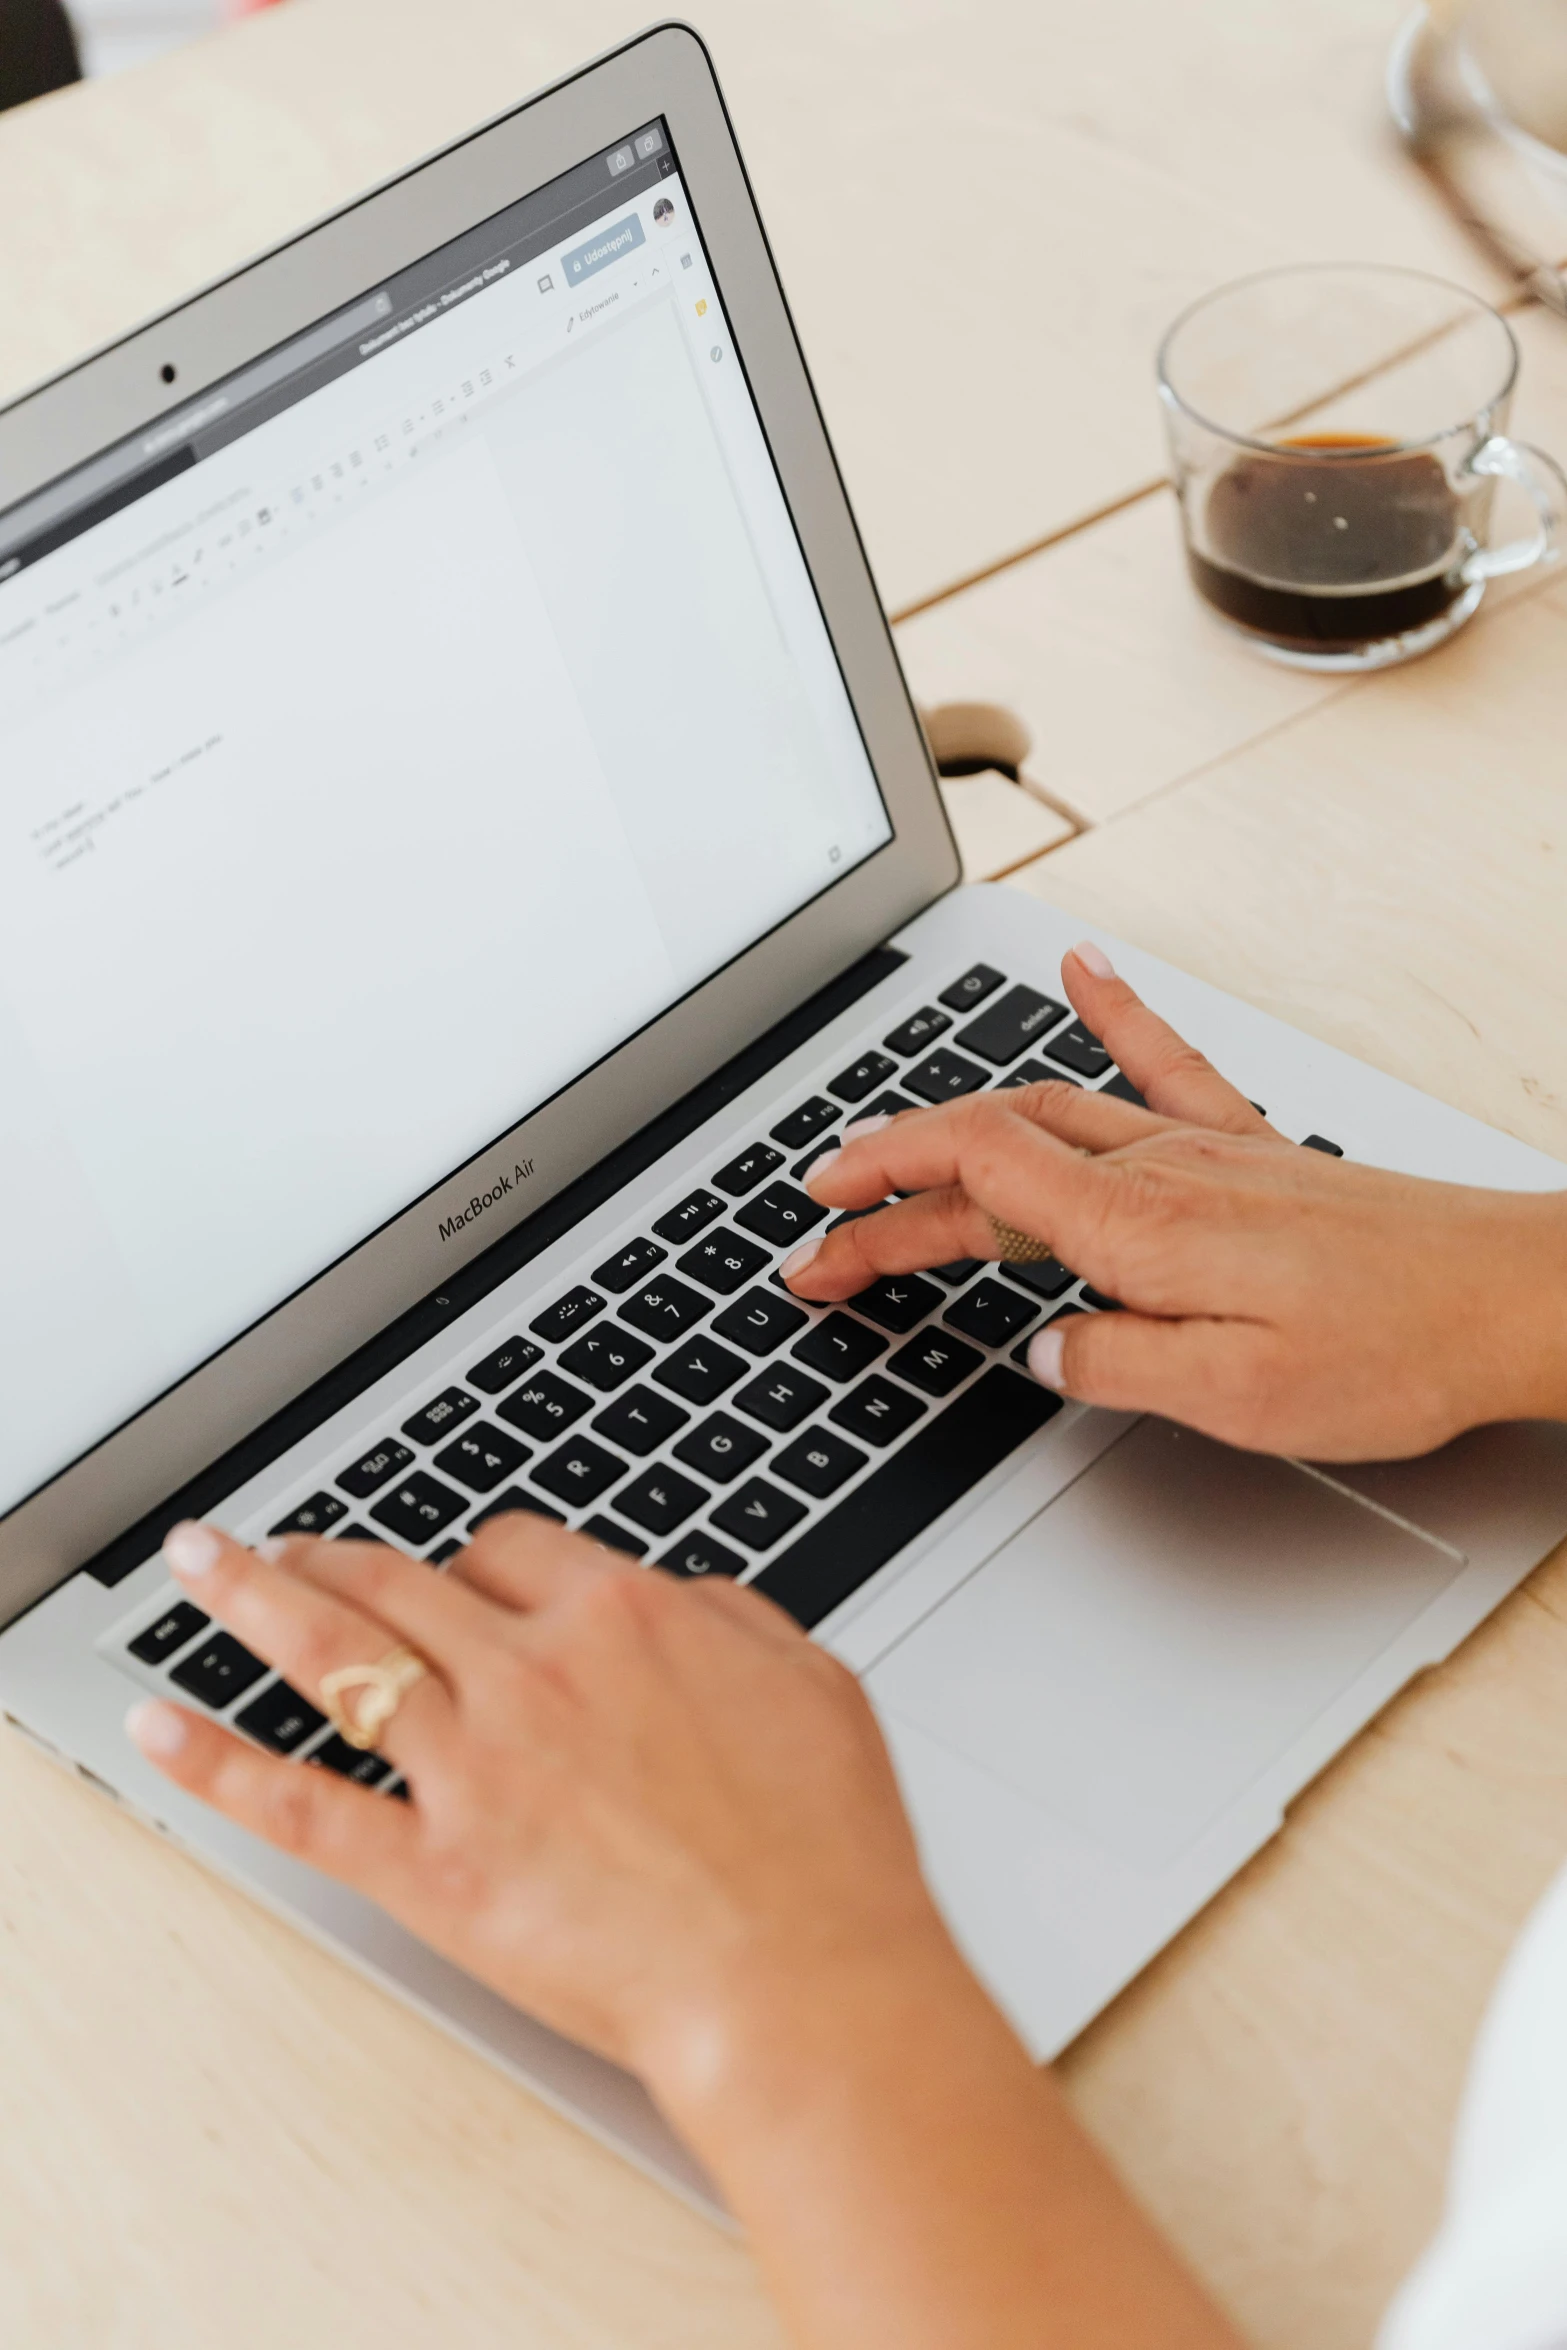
(650, 143)
(622, 160)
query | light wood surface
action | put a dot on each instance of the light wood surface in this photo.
(984, 211)
(213, 2131)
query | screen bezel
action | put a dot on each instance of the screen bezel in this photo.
(665, 72)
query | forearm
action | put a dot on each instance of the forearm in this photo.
(1515, 1332)
(906, 2175)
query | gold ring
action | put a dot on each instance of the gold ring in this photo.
(384, 1687)
(1019, 1248)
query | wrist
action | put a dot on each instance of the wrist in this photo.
(1523, 1370)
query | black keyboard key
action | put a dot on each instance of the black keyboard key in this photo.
(897, 1301)
(313, 1516)
(699, 1554)
(505, 1366)
(606, 1356)
(897, 1502)
(350, 1762)
(174, 1629)
(1017, 1020)
(639, 1420)
(1033, 1073)
(744, 1173)
(960, 1270)
(481, 1457)
(720, 1448)
(567, 1314)
(1048, 1280)
(441, 1415)
(579, 1471)
(935, 1362)
(514, 1498)
(1124, 1090)
(945, 1076)
(218, 1671)
(804, 1124)
(419, 1509)
(692, 1215)
(758, 1514)
(660, 1500)
(701, 1370)
(353, 1533)
(819, 1462)
(546, 1407)
(973, 987)
(280, 1719)
(990, 1313)
(442, 1552)
(666, 1308)
(1078, 1049)
(374, 1467)
(877, 1410)
(614, 1537)
(839, 1346)
(823, 1150)
(759, 1321)
(1098, 1299)
(781, 1398)
(862, 1077)
(722, 1261)
(916, 1032)
(628, 1266)
(1320, 1142)
(888, 1105)
(781, 1215)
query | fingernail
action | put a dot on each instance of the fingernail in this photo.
(820, 1165)
(191, 1549)
(271, 1546)
(798, 1258)
(858, 1126)
(1044, 1356)
(156, 1729)
(1094, 959)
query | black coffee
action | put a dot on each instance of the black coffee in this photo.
(1331, 555)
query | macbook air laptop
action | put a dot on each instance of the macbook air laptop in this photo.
(465, 842)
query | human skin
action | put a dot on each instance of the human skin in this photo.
(656, 1815)
(1275, 1297)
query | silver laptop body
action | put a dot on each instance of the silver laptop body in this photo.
(467, 843)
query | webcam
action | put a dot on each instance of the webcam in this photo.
(168, 371)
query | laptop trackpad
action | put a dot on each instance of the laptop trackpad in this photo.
(1154, 1639)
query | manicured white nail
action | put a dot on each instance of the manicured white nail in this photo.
(860, 1126)
(159, 1730)
(271, 1546)
(191, 1549)
(1094, 959)
(1044, 1356)
(797, 1259)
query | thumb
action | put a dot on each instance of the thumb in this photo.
(1209, 1375)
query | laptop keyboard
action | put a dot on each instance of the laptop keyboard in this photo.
(677, 1404)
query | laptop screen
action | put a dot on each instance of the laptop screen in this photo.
(384, 739)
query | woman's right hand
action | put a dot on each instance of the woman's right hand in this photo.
(1274, 1297)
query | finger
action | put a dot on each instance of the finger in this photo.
(932, 1228)
(304, 1631)
(982, 1145)
(523, 1562)
(428, 1610)
(1172, 1075)
(1206, 1373)
(762, 1618)
(315, 1816)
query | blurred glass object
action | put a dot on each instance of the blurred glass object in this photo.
(1478, 91)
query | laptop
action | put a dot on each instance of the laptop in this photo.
(467, 844)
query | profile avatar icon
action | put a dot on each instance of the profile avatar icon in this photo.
(663, 212)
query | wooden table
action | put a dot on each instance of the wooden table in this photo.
(214, 2132)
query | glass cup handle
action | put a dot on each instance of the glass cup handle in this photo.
(1544, 481)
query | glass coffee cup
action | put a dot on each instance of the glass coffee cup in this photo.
(1338, 437)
